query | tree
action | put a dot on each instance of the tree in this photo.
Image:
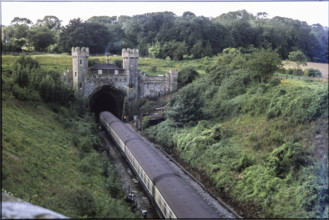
(81, 34)
(263, 63)
(187, 106)
(51, 22)
(298, 57)
(174, 49)
(155, 50)
(41, 37)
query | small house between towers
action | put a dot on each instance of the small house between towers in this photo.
(106, 69)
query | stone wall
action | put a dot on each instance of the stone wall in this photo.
(93, 81)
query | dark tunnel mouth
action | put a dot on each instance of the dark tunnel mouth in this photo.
(106, 98)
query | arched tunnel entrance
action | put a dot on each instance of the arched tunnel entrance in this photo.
(106, 98)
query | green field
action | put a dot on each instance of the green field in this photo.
(150, 66)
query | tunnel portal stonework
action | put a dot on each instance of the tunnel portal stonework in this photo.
(133, 83)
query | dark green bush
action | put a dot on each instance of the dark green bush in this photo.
(187, 106)
(290, 71)
(275, 82)
(93, 61)
(113, 183)
(186, 76)
(313, 72)
(312, 194)
(118, 63)
(25, 94)
(84, 203)
(146, 122)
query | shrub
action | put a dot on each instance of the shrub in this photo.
(84, 203)
(275, 82)
(186, 76)
(118, 63)
(113, 183)
(313, 72)
(290, 71)
(162, 133)
(153, 69)
(93, 61)
(298, 104)
(186, 107)
(312, 194)
(25, 94)
(289, 157)
(90, 164)
(146, 122)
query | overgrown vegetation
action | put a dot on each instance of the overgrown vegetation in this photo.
(48, 141)
(261, 142)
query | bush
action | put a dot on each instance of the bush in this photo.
(290, 71)
(289, 157)
(275, 82)
(84, 203)
(91, 163)
(298, 104)
(298, 72)
(187, 106)
(313, 72)
(162, 133)
(186, 76)
(25, 94)
(146, 122)
(113, 183)
(118, 63)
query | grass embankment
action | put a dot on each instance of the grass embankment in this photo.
(48, 157)
(265, 147)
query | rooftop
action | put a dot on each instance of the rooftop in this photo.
(105, 67)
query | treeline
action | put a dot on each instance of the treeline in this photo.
(164, 34)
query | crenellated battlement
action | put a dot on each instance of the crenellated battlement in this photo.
(130, 53)
(80, 52)
(132, 82)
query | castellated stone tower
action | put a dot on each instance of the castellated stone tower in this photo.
(173, 77)
(80, 68)
(130, 65)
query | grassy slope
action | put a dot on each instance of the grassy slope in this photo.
(239, 165)
(41, 165)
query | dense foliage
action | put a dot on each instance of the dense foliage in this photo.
(164, 34)
(263, 144)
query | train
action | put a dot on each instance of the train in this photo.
(169, 193)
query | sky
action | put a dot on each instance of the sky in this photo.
(311, 12)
